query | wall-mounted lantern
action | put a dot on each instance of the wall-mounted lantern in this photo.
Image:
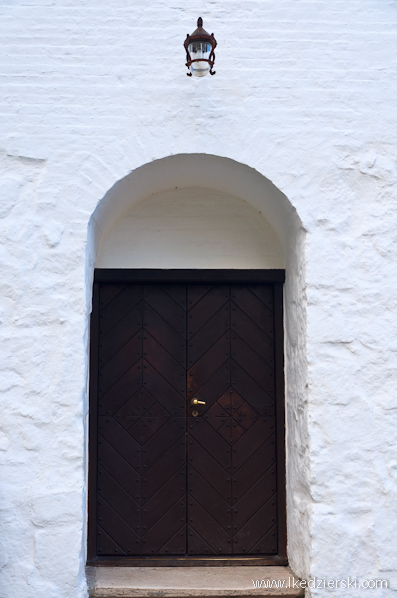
(200, 56)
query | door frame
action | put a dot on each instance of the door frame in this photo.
(156, 276)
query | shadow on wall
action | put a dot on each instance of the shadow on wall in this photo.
(202, 211)
(190, 228)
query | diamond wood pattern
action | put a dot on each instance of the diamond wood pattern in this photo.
(213, 490)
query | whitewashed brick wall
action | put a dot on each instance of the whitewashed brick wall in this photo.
(305, 93)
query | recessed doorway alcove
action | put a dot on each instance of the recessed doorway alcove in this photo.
(191, 227)
(200, 212)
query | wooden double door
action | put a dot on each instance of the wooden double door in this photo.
(186, 446)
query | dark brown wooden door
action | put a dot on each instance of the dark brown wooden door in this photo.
(174, 478)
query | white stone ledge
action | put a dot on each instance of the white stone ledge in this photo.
(189, 582)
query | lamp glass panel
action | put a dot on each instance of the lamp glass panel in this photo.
(199, 51)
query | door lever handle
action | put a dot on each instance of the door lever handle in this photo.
(197, 402)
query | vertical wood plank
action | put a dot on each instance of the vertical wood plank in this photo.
(280, 417)
(93, 430)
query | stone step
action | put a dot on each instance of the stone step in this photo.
(191, 582)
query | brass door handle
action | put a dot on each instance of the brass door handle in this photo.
(197, 402)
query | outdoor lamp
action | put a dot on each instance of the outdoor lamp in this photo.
(200, 46)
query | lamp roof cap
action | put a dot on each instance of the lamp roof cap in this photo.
(200, 30)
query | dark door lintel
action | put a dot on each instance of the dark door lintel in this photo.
(156, 276)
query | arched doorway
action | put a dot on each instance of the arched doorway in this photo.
(172, 268)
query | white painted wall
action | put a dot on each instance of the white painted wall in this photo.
(191, 228)
(91, 93)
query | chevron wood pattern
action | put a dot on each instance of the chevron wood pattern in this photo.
(170, 483)
(141, 421)
(231, 451)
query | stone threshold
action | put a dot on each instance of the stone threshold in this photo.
(191, 582)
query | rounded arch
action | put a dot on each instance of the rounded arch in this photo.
(199, 171)
(229, 181)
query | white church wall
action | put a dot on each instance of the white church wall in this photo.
(309, 103)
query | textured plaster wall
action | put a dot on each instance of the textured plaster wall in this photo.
(91, 91)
